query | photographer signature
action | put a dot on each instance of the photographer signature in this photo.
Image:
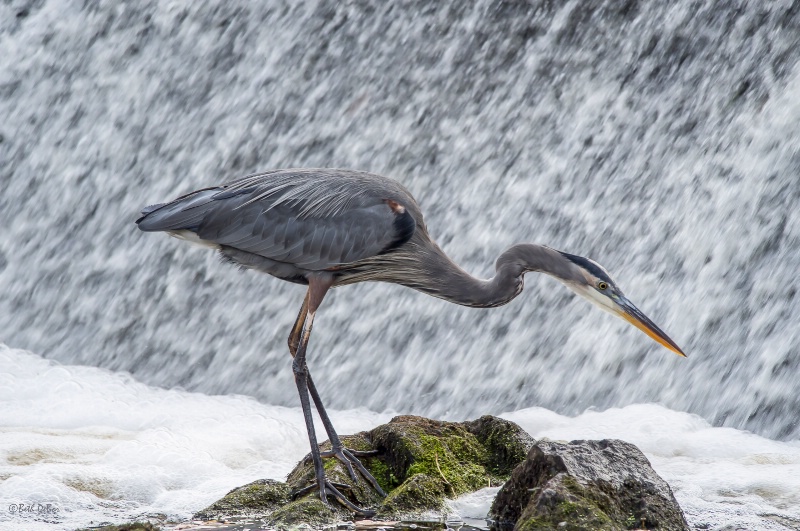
(33, 508)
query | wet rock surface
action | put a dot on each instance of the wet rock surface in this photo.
(427, 461)
(604, 485)
(419, 463)
(259, 497)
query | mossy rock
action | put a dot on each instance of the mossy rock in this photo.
(257, 498)
(417, 495)
(419, 462)
(360, 492)
(603, 485)
(423, 461)
(308, 510)
(570, 506)
(446, 451)
(272, 501)
(505, 442)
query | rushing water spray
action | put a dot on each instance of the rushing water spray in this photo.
(659, 138)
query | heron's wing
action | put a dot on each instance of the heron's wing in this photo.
(314, 221)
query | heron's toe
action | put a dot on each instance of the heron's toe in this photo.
(350, 458)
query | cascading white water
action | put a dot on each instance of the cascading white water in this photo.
(660, 139)
(80, 446)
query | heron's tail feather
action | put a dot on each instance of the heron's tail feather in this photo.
(184, 213)
(149, 208)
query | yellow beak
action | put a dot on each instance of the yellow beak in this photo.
(631, 313)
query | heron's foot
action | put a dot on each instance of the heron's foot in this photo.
(350, 458)
(328, 487)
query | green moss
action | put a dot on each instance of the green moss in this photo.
(455, 459)
(506, 444)
(260, 497)
(444, 458)
(418, 494)
(568, 508)
(592, 500)
(576, 506)
(357, 442)
(307, 510)
(382, 474)
(534, 524)
(434, 460)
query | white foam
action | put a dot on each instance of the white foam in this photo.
(102, 447)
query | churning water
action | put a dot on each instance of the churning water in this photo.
(101, 447)
(660, 138)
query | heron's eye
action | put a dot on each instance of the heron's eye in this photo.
(602, 285)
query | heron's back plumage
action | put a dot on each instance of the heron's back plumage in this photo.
(312, 219)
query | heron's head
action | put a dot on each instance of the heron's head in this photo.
(593, 282)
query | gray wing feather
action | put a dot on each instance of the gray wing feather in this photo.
(314, 219)
(183, 213)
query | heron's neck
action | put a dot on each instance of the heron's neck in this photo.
(448, 281)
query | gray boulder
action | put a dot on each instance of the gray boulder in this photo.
(605, 485)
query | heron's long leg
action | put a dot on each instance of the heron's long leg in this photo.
(316, 291)
(345, 455)
(297, 328)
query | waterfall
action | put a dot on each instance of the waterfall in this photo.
(658, 138)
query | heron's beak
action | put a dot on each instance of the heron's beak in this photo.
(631, 313)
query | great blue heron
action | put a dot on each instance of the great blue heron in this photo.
(326, 228)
